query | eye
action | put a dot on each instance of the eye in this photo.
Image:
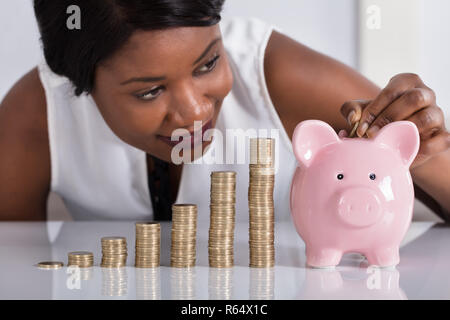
(340, 176)
(372, 176)
(209, 66)
(151, 94)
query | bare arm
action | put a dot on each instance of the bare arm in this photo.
(304, 84)
(24, 150)
(433, 177)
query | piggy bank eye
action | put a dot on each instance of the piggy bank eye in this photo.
(372, 176)
(340, 176)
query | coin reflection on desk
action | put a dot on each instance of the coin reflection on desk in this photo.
(148, 283)
(114, 282)
(182, 283)
(288, 279)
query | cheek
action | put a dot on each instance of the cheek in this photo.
(130, 119)
(142, 119)
(228, 78)
(221, 84)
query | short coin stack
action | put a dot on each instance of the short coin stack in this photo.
(114, 252)
(82, 259)
(184, 232)
(222, 219)
(148, 244)
(260, 202)
(49, 265)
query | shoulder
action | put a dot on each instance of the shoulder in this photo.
(23, 111)
(245, 40)
(245, 35)
(25, 161)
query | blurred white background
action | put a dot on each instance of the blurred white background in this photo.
(413, 36)
(378, 37)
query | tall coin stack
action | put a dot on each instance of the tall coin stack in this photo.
(260, 202)
(184, 232)
(222, 219)
(82, 259)
(114, 252)
(148, 244)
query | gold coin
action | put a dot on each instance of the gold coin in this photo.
(81, 260)
(80, 253)
(223, 174)
(184, 207)
(147, 226)
(216, 218)
(50, 264)
(352, 133)
(114, 239)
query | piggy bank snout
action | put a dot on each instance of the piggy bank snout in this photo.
(359, 207)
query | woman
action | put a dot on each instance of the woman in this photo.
(94, 119)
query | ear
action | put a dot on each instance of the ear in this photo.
(309, 137)
(401, 136)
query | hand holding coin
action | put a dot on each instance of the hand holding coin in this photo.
(405, 97)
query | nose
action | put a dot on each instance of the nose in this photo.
(189, 104)
(359, 207)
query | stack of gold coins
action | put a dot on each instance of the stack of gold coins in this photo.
(50, 265)
(148, 244)
(222, 219)
(82, 259)
(260, 202)
(184, 231)
(114, 252)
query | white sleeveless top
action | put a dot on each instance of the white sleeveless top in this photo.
(100, 177)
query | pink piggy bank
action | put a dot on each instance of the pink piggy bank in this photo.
(353, 194)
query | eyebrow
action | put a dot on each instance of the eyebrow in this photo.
(160, 78)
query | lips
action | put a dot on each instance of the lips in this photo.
(192, 137)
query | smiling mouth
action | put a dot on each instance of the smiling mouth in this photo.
(192, 136)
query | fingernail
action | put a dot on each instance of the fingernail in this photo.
(362, 129)
(350, 117)
(342, 133)
(372, 131)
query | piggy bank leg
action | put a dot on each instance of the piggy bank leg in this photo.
(384, 257)
(322, 257)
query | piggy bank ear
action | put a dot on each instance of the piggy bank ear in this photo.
(402, 136)
(309, 137)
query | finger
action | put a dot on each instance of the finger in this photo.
(428, 121)
(394, 89)
(436, 144)
(342, 133)
(408, 79)
(352, 110)
(407, 104)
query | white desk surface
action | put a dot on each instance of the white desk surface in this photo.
(423, 272)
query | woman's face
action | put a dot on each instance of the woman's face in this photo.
(160, 81)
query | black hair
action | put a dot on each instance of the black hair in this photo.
(105, 26)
